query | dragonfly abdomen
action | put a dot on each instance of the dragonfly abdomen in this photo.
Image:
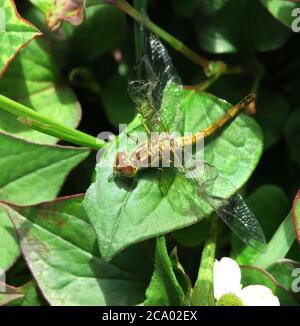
(227, 116)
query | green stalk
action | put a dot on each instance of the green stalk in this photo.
(171, 40)
(46, 125)
(139, 5)
(203, 293)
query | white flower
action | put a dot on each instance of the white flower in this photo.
(227, 280)
(259, 295)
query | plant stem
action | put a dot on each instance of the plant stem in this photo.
(46, 125)
(139, 5)
(167, 37)
(170, 39)
(203, 294)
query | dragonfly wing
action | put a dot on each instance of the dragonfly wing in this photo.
(150, 83)
(169, 93)
(239, 217)
(233, 211)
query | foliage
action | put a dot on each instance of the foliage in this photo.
(76, 238)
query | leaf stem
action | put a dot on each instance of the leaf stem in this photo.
(203, 294)
(46, 125)
(173, 41)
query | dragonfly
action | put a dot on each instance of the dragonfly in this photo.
(153, 76)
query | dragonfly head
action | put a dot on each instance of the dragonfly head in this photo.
(123, 166)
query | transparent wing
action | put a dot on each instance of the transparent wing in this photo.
(239, 217)
(233, 211)
(154, 85)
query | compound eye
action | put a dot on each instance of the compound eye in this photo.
(128, 170)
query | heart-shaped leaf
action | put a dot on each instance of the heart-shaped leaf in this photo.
(34, 80)
(240, 26)
(287, 274)
(60, 249)
(124, 213)
(15, 32)
(29, 173)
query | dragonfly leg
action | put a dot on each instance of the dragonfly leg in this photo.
(144, 125)
(111, 178)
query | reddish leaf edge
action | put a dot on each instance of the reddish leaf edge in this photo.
(38, 33)
(4, 204)
(273, 279)
(294, 217)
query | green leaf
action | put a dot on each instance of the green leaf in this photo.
(9, 247)
(15, 32)
(57, 11)
(279, 245)
(38, 178)
(291, 130)
(34, 80)
(116, 101)
(270, 205)
(296, 216)
(240, 26)
(60, 249)
(110, 25)
(164, 289)
(286, 272)
(234, 151)
(30, 296)
(254, 275)
(281, 10)
(31, 173)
